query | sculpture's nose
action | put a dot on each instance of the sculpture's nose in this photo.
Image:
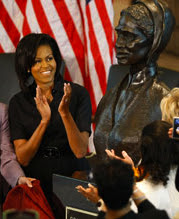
(121, 41)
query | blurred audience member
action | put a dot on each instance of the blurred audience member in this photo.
(10, 168)
(115, 182)
(158, 167)
(170, 105)
(170, 108)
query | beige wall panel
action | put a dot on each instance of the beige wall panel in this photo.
(119, 5)
(173, 46)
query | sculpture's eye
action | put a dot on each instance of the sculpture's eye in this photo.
(129, 36)
(126, 36)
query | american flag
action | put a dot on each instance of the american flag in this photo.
(83, 30)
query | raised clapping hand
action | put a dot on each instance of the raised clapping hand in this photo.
(126, 159)
(63, 108)
(91, 193)
(42, 105)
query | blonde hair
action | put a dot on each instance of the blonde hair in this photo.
(176, 216)
(170, 105)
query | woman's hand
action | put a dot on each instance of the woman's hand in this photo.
(25, 180)
(126, 158)
(170, 131)
(91, 193)
(63, 108)
(42, 105)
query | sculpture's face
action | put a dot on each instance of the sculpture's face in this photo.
(132, 45)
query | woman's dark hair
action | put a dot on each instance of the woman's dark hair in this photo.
(158, 151)
(114, 180)
(26, 53)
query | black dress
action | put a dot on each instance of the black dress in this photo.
(54, 154)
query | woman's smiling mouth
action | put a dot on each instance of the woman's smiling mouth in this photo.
(46, 72)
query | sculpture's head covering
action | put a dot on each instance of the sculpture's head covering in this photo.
(161, 27)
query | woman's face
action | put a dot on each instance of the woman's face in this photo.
(44, 68)
(132, 45)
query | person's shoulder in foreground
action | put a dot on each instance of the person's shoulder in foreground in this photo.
(146, 211)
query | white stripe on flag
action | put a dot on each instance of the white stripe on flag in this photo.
(76, 15)
(92, 71)
(101, 37)
(5, 41)
(31, 18)
(110, 10)
(15, 13)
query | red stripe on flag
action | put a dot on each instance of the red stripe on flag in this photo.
(9, 25)
(99, 65)
(67, 74)
(107, 27)
(91, 91)
(42, 18)
(22, 5)
(26, 29)
(72, 34)
(1, 49)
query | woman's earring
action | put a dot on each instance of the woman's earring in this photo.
(28, 71)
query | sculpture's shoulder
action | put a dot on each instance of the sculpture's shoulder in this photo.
(108, 100)
(109, 95)
(159, 87)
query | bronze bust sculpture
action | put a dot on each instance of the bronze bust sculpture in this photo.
(143, 31)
